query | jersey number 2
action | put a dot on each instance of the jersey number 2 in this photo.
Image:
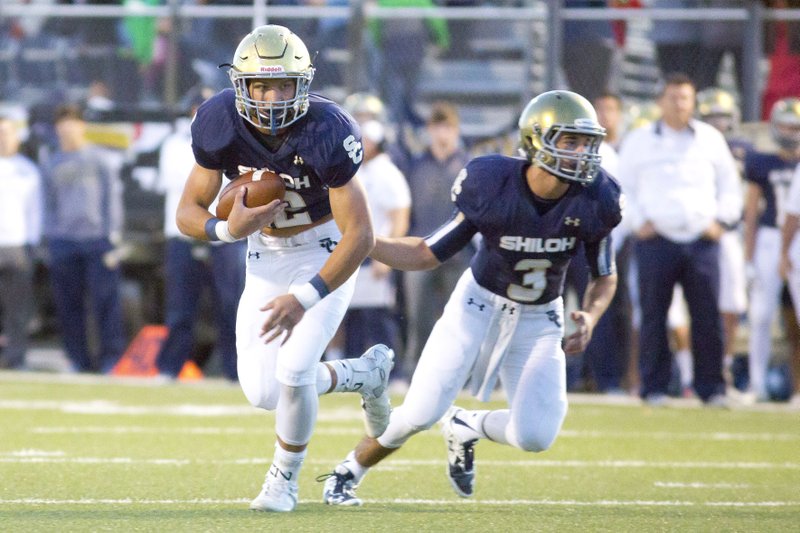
(298, 217)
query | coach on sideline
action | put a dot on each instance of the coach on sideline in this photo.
(683, 190)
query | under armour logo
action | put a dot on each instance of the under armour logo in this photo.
(251, 255)
(471, 301)
(552, 316)
(569, 221)
(274, 471)
(328, 244)
(298, 160)
(509, 308)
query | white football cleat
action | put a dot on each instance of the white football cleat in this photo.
(373, 374)
(278, 494)
(460, 455)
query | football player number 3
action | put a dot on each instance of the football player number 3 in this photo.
(534, 280)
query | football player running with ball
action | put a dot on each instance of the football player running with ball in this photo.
(302, 254)
(505, 318)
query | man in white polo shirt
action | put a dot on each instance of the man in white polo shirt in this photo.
(683, 191)
(20, 229)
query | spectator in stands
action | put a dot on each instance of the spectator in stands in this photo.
(20, 230)
(768, 177)
(587, 51)
(783, 48)
(401, 46)
(677, 41)
(83, 222)
(192, 266)
(371, 317)
(682, 190)
(330, 35)
(430, 179)
(205, 43)
(720, 38)
(98, 43)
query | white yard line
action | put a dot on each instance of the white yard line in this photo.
(699, 485)
(162, 430)
(323, 430)
(114, 408)
(402, 501)
(50, 457)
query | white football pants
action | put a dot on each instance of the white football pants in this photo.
(532, 369)
(765, 297)
(273, 266)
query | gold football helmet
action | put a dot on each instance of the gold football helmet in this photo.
(718, 107)
(365, 106)
(549, 116)
(784, 121)
(271, 52)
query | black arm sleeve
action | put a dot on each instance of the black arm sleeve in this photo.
(451, 236)
(600, 257)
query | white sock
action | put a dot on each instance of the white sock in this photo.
(324, 379)
(344, 374)
(286, 463)
(357, 469)
(684, 360)
(346, 369)
(472, 427)
(496, 425)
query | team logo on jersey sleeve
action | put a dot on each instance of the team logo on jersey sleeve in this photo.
(353, 149)
(455, 190)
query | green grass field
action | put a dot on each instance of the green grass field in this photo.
(89, 454)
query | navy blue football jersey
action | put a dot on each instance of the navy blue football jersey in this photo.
(321, 150)
(524, 253)
(774, 176)
(739, 149)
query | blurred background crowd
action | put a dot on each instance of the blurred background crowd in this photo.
(96, 96)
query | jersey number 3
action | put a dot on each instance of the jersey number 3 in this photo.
(534, 280)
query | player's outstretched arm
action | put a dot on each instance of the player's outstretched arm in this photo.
(404, 253)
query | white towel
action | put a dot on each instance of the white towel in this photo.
(493, 349)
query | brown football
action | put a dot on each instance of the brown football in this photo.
(262, 186)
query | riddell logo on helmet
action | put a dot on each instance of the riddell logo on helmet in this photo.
(271, 68)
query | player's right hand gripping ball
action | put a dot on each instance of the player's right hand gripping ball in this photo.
(262, 186)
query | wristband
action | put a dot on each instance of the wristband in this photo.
(310, 293)
(222, 231)
(217, 230)
(211, 231)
